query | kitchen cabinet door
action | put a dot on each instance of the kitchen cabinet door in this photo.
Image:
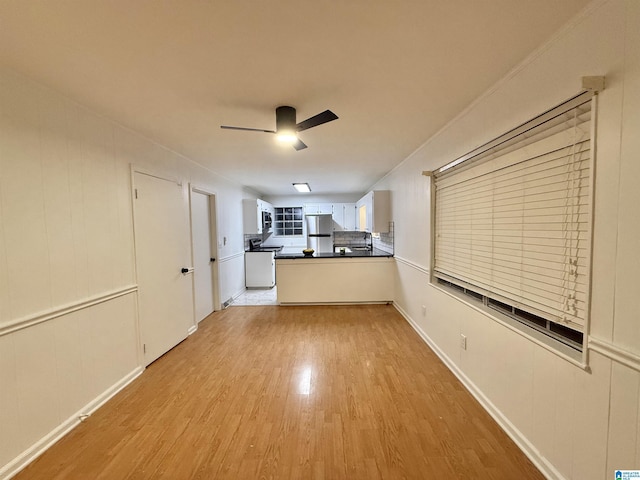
(349, 216)
(251, 216)
(344, 217)
(260, 270)
(318, 208)
(338, 217)
(325, 208)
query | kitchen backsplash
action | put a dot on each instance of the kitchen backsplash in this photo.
(249, 237)
(351, 239)
(384, 241)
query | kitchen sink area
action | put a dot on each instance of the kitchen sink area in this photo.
(352, 241)
(358, 270)
(351, 249)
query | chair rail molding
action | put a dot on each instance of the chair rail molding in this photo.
(45, 316)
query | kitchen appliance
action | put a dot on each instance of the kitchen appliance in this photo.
(319, 233)
(255, 245)
(267, 222)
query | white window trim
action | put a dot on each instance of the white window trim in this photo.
(275, 222)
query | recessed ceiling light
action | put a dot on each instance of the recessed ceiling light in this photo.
(302, 187)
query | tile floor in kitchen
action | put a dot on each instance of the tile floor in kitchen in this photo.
(256, 297)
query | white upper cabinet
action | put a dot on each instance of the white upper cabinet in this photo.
(349, 216)
(344, 216)
(318, 208)
(373, 212)
(252, 214)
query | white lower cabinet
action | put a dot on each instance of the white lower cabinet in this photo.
(260, 269)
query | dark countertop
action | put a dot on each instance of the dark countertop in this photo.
(354, 254)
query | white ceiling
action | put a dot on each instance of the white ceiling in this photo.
(394, 71)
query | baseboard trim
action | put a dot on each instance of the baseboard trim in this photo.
(541, 463)
(355, 302)
(25, 458)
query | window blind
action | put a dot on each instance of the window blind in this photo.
(512, 218)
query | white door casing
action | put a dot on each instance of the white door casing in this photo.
(165, 294)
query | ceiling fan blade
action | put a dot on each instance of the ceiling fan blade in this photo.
(299, 145)
(319, 119)
(247, 129)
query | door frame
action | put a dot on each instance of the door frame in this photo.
(213, 236)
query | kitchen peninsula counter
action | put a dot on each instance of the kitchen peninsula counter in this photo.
(332, 278)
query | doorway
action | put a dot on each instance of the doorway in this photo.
(203, 238)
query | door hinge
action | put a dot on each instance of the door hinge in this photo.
(144, 348)
(136, 192)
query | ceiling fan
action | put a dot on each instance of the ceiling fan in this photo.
(286, 127)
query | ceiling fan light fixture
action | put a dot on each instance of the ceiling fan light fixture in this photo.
(287, 129)
(287, 136)
(302, 187)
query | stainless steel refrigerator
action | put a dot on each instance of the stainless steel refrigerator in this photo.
(320, 233)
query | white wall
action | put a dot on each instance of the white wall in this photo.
(68, 330)
(576, 424)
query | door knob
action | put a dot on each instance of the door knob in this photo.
(185, 270)
(212, 259)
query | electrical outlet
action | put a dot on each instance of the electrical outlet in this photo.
(463, 342)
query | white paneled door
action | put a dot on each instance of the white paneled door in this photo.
(162, 251)
(203, 256)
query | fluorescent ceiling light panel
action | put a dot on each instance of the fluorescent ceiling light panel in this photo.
(302, 187)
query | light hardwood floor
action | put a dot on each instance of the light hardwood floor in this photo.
(339, 392)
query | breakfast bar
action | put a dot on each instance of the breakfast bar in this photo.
(334, 278)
